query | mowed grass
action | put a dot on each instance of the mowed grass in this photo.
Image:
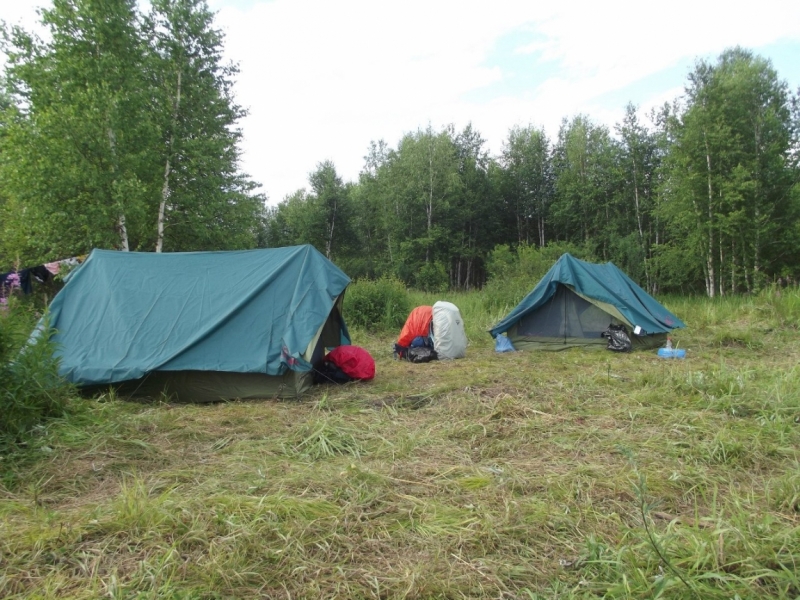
(576, 474)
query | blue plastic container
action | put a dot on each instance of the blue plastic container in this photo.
(671, 353)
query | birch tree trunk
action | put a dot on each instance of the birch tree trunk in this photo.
(430, 199)
(165, 189)
(121, 227)
(329, 241)
(162, 206)
(710, 278)
(757, 204)
(123, 233)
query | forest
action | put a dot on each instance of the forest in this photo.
(121, 130)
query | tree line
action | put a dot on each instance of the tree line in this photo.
(121, 131)
(702, 195)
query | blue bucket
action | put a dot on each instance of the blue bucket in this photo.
(671, 353)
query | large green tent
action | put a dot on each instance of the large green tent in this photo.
(200, 326)
(576, 301)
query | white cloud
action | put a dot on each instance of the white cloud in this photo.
(14, 12)
(323, 78)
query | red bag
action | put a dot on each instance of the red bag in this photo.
(354, 361)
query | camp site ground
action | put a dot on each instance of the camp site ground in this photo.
(574, 474)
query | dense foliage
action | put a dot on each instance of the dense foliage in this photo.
(511, 274)
(377, 305)
(119, 131)
(31, 389)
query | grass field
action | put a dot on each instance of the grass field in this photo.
(576, 474)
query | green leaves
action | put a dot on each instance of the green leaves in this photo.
(32, 389)
(729, 168)
(122, 133)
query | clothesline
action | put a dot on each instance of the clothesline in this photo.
(23, 279)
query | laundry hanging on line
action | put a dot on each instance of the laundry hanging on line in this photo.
(23, 279)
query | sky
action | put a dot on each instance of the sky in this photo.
(321, 79)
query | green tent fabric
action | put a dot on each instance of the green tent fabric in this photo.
(576, 300)
(127, 316)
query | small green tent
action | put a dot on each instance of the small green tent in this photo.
(200, 326)
(574, 304)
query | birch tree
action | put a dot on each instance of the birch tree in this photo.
(74, 152)
(121, 132)
(204, 201)
(731, 169)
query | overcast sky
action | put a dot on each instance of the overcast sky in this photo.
(323, 78)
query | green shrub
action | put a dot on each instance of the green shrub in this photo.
(17, 320)
(31, 390)
(377, 305)
(501, 262)
(513, 275)
(432, 277)
(675, 269)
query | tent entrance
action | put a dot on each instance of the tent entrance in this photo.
(566, 316)
(568, 320)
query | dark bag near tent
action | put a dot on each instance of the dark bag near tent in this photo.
(329, 372)
(421, 354)
(618, 339)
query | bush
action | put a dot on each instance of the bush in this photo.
(432, 277)
(512, 276)
(501, 262)
(377, 305)
(32, 390)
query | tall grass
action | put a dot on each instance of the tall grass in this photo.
(523, 475)
(30, 387)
